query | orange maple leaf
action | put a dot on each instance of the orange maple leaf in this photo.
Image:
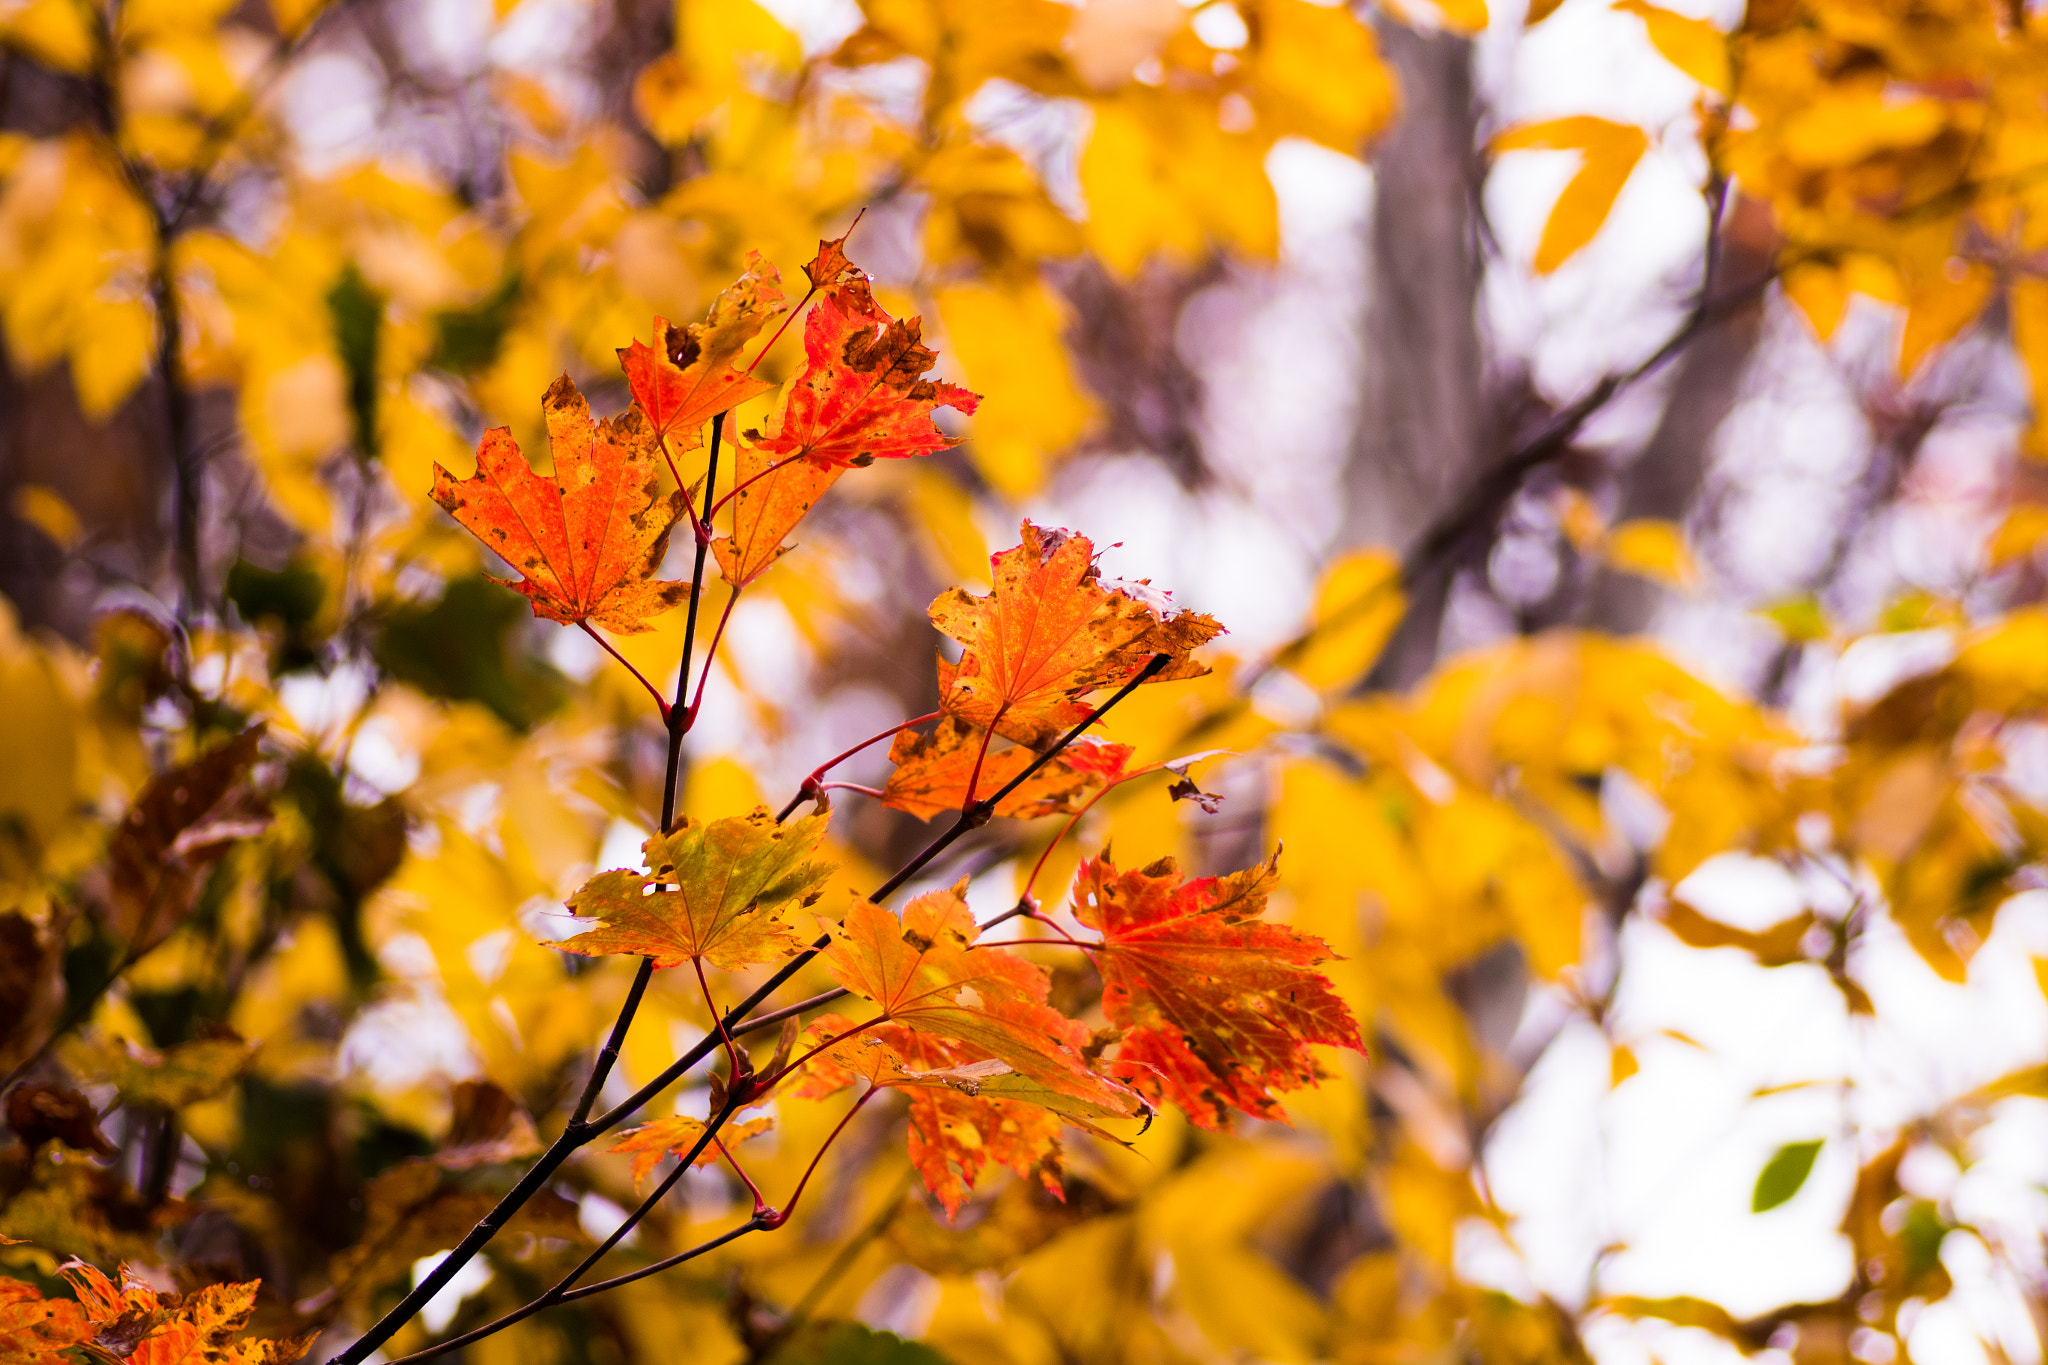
(587, 540)
(35, 1330)
(142, 1326)
(956, 1132)
(771, 500)
(716, 891)
(921, 973)
(691, 374)
(1050, 633)
(932, 772)
(830, 266)
(1220, 1005)
(650, 1142)
(860, 396)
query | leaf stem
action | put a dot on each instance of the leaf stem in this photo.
(732, 1054)
(652, 691)
(698, 529)
(980, 755)
(810, 785)
(858, 1029)
(875, 792)
(744, 484)
(808, 295)
(781, 1216)
(762, 1208)
(711, 653)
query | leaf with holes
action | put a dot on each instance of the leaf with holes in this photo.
(1051, 632)
(715, 891)
(861, 395)
(691, 374)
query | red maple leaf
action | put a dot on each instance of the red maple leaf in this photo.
(587, 540)
(1219, 1004)
(1051, 632)
(861, 395)
(691, 374)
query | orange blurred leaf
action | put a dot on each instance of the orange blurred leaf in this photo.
(1611, 151)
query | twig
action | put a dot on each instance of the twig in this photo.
(751, 1225)
(761, 1021)
(580, 1129)
(606, 645)
(618, 1234)
(1499, 483)
(817, 775)
(711, 654)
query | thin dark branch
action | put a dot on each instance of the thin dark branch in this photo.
(817, 774)
(751, 1225)
(583, 1267)
(761, 1021)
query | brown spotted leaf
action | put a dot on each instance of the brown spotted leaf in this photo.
(861, 395)
(693, 373)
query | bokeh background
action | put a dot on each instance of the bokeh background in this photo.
(1633, 644)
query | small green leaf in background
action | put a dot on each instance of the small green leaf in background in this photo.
(1783, 1174)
